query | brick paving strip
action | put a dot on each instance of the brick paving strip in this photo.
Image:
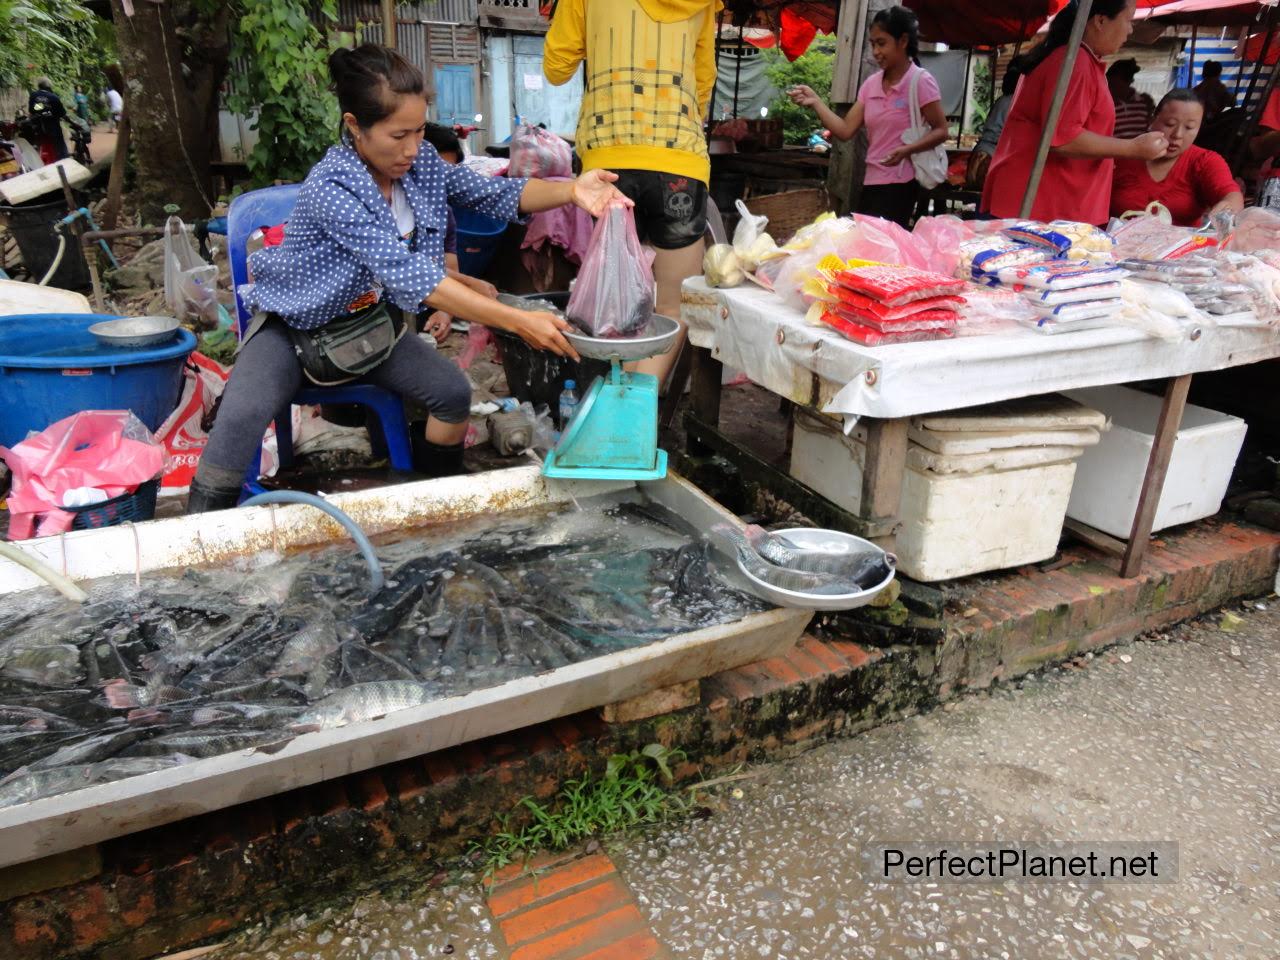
(570, 906)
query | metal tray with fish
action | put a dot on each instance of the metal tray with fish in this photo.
(829, 541)
(656, 337)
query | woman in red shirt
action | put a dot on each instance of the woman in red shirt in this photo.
(1193, 183)
(1077, 176)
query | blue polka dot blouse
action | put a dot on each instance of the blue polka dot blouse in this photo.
(342, 240)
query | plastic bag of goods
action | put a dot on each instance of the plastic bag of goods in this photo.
(871, 337)
(1064, 238)
(721, 266)
(1256, 229)
(874, 308)
(1060, 275)
(110, 451)
(190, 284)
(750, 242)
(982, 258)
(886, 242)
(613, 295)
(939, 239)
(1150, 238)
(539, 153)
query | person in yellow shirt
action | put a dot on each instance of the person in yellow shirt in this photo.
(650, 73)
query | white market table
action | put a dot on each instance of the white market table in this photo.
(751, 330)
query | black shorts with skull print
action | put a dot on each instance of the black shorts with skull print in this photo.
(671, 210)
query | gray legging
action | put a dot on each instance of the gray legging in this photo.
(267, 374)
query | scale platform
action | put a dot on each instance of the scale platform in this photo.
(614, 433)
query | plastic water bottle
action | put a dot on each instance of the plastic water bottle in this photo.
(568, 403)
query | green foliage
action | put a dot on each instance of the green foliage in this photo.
(983, 85)
(54, 38)
(635, 790)
(285, 58)
(814, 69)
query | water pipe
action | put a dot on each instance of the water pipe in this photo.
(309, 499)
(44, 571)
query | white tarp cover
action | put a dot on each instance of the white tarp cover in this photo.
(751, 330)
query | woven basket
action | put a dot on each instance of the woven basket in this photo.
(789, 211)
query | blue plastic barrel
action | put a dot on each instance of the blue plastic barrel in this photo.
(478, 239)
(51, 366)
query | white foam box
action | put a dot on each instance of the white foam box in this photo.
(962, 514)
(1109, 476)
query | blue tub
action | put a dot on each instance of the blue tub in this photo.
(478, 239)
(51, 366)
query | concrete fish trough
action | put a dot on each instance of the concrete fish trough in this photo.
(92, 814)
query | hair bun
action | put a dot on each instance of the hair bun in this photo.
(339, 63)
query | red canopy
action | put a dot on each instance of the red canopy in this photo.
(981, 23)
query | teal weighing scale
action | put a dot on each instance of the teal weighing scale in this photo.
(614, 432)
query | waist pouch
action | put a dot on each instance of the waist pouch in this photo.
(349, 347)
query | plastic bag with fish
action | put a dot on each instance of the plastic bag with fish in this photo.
(614, 293)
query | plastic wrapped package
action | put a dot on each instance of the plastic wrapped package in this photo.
(1262, 279)
(886, 242)
(750, 242)
(983, 257)
(1052, 297)
(924, 320)
(1064, 238)
(1158, 297)
(1189, 268)
(1089, 310)
(1060, 275)
(990, 310)
(1150, 238)
(868, 305)
(791, 275)
(614, 294)
(871, 337)
(895, 286)
(1051, 326)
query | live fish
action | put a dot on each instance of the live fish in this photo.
(865, 567)
(56, 665)
(364, 701)
(781, 577)
(23, 786)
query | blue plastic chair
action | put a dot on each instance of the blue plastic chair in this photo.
(266, 208)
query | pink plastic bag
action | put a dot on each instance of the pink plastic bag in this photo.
(109, 450)
(613, 295)
(539, 153)
(939, 239)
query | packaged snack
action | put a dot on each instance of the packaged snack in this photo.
(870, 337)
(1060, 275)
(983, 256)
(1088, 310)
(1064, 238)
(925, 320)
(1100, 291)
(1186, 268)
(896, 286)
(866, 305)
(1050, 326)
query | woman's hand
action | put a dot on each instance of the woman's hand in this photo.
(482, 287)
(1149, 146)
(804, 96)
(895, 157)
(438, 325)
(594, 192)
(544, 331)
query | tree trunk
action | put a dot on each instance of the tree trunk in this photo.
(174, 61)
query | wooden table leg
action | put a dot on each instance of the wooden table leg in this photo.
(1175, 402)
(704, 399)
(883, 472)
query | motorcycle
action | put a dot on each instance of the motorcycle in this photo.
(81, 137)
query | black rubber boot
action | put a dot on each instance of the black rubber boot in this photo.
(203, 499)
(436, 460)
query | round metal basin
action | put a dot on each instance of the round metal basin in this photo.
(657, 337)
(135, 331)
(831, 541)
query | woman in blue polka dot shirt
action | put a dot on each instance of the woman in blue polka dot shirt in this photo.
(369, 225)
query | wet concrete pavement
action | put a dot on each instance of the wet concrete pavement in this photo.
(1173, 739)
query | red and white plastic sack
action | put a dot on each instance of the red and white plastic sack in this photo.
(106, 450)
(539, 153)
(186, 432)
(614, 294)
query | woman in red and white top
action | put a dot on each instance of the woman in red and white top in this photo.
(889, 190)
(1193, 183)
(1077, 176)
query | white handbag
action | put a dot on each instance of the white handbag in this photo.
(930, 165)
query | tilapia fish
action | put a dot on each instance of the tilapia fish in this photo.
(55, 665)
(23, 786)
(863, 570)
(364, 701)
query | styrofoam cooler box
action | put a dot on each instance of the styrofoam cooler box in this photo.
(961, 514)
(1109, 476)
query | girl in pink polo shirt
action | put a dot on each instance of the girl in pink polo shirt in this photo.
(890, 189)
